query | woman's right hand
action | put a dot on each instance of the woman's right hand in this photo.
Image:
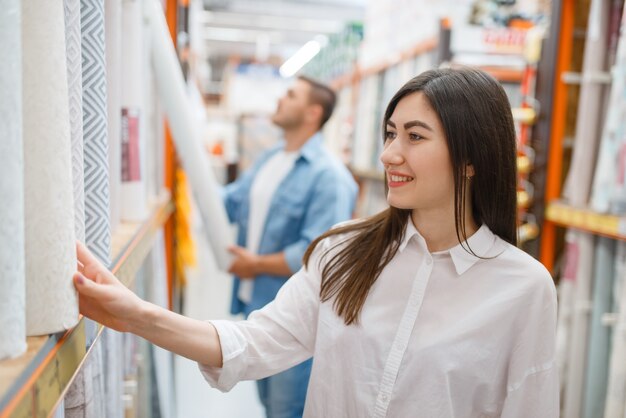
(101, 296)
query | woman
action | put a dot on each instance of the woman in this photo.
(427, 309)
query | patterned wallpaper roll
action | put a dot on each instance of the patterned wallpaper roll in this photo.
(75, 92)
(113, 40)
(97, 227)
(12, 283)
(51, 303)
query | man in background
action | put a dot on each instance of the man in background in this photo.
(293, 193)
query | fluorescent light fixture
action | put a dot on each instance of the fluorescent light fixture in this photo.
(302, 56)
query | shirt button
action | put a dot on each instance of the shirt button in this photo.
(429, 261)
(385, 398)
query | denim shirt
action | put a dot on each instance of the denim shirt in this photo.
(317, 193)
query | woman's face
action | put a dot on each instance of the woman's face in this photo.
(416, 158)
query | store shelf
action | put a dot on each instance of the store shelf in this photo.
(32, 384)
(587, 220)
(527, 232)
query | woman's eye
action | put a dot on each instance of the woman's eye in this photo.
(415, 137)
(389, 135)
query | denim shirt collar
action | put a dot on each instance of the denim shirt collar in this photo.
(312, 147)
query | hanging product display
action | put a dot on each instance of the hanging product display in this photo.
(156, 270)
(615, 406)
(113, 361)
(75, 93)
(171, 90)
(97, 228)
(565, 312)
(133, 187)
(609, 183)
(599, 334)
(12, 273)
(84, 398)
(51, 303)
(113, 41)
(577, 190)
(78, 402)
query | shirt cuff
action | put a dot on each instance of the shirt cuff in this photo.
(293, 256)
(234, 363)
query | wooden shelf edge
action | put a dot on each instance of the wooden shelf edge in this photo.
(51, 363)
(584, 219)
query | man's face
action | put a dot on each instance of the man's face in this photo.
(292, 107)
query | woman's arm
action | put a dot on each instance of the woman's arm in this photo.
(106, 300)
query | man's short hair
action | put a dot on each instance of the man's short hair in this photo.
(322, 95)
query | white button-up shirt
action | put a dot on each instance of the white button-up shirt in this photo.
(443, 334)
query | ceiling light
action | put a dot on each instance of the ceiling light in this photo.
(302, 56)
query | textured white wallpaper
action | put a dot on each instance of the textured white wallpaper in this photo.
(12, 283)
(51, 303)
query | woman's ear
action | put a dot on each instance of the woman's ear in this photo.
(469, 170)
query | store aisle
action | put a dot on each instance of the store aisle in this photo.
(208, 296)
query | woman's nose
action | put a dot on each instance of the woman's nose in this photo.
(391, 156)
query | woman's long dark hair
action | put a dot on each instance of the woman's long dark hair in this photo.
(476, 118)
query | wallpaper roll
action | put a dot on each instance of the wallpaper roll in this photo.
(51, 303)
(113, 41)
(577, 190)
(79, 398)
(97, 227)
(153, 138)
(133, 190)
(577, 355)
(609, 183)
(75, 93)
(84, 398)
(566, 305)
(12, 268)
(599, 335)
(186, 132)
(590, 112)
(113, 361)
(615, 406)
(156, 270)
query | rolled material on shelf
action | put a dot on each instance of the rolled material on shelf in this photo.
(615, 406)
(133, 188)
(186, 132)
(599, 335)
(84, 398)
(156, 270)
(97, 227)
(113, 41)
(75, 93)
(51, 303)
(577, 190)
(12, 268)
(590, 107)
(609, 187)
(113, 360)
(577, 354)
(566, 305)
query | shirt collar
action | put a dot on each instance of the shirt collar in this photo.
(482, 243)
(312, 147)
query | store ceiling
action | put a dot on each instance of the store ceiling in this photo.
(269, 29)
